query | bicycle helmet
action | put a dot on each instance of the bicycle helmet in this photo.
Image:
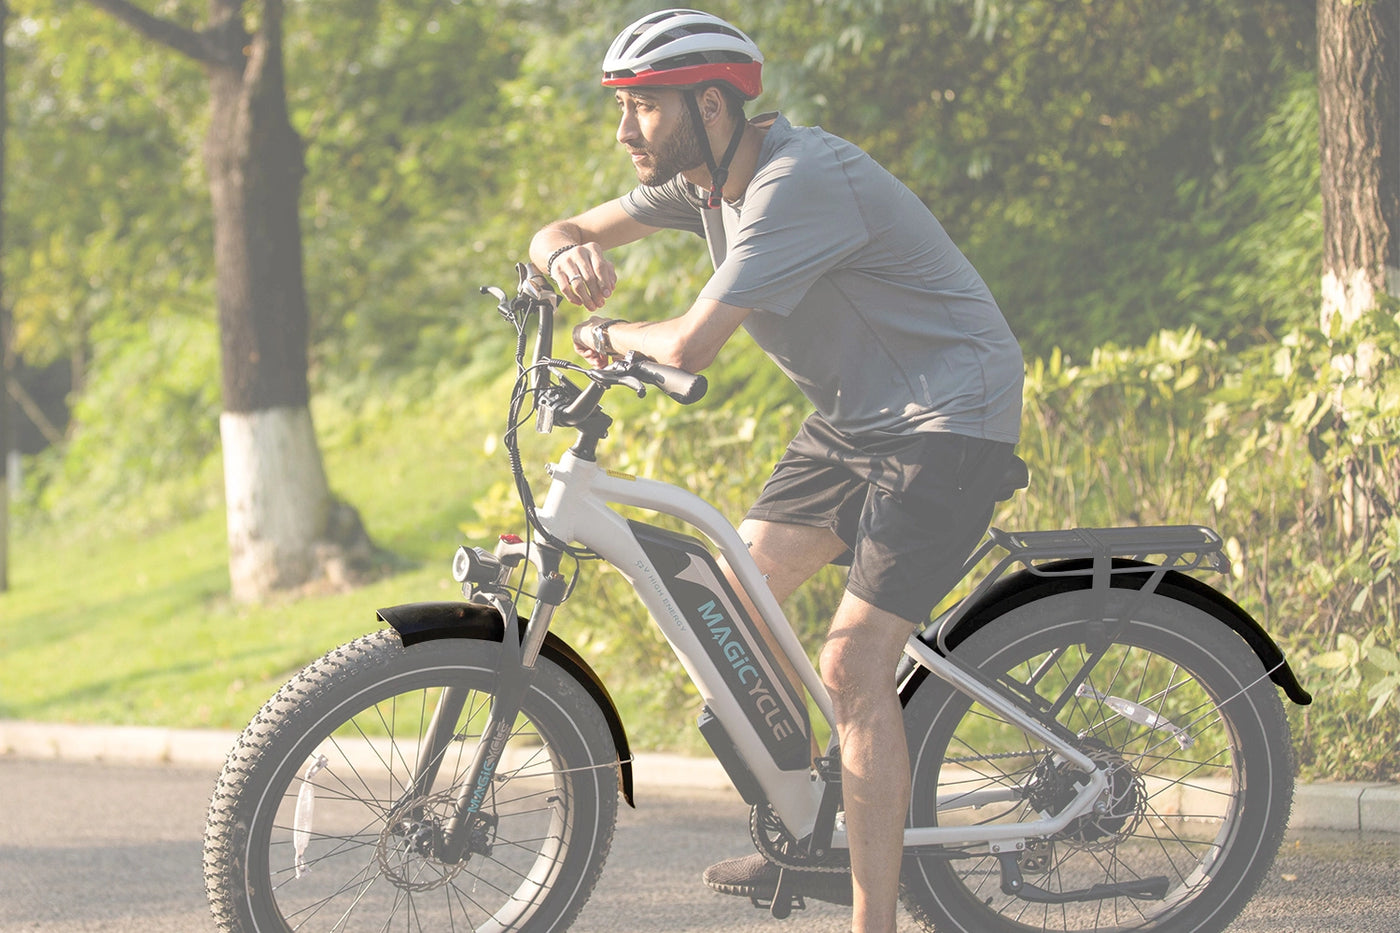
(683, 47)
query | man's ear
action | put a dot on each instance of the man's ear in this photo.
(712, 106)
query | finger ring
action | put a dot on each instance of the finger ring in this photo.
(575, 278)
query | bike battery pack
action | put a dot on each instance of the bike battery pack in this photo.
(775, 709)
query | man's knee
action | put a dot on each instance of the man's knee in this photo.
(844, 672)
(861, 652)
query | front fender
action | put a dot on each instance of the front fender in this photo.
(420, 622)
(1024, 586)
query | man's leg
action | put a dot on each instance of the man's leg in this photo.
(858, 666)
(787, 555)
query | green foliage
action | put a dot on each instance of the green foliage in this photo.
(1093, 159)
(1353, 729)
(107, 253)
(1329, 578)
(150, 382)
(98, 222)
(403, 156)
(1288, 449)
(1137, 182)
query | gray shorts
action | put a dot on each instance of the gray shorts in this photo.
(910, 507)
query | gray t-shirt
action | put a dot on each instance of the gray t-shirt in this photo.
(857, 292)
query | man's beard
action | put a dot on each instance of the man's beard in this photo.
(680, 152)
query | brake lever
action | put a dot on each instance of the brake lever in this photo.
(616, 374)
(503, 304)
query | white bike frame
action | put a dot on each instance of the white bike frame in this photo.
(578, 508)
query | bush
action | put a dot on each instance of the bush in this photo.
(1286, 449)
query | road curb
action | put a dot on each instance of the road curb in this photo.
(198, 748)
(134, 744)
(1346, 807)
(1351, 807)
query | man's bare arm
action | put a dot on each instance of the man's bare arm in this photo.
(690, 341)
(573, 252)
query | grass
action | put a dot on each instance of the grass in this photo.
(126, 620)
(122, 623)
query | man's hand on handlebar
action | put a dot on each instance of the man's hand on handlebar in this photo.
(585, 276)
(585, 344)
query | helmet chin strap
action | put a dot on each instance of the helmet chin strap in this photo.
(719, 173)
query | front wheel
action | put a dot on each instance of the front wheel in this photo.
(1178, 711)
(317, 823)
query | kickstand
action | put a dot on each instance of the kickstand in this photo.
(784, 898)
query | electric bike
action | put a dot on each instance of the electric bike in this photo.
(1096, 736)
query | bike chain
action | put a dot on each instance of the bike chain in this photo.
(778, 846)
(999, 756)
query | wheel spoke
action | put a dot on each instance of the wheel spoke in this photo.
(329, 828)
(1162, 712)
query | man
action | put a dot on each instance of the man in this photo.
(852, 287)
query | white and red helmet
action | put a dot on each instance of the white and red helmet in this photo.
(678, 48)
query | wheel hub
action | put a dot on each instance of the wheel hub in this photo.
(1115, 814)
(408, 849)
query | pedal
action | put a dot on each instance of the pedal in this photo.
(785, 899)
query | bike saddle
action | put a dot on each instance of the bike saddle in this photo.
(1018, 476)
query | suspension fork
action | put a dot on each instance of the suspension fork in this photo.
(519, 653)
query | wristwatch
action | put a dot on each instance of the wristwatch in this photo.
(598, 336)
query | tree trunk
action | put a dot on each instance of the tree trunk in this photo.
(1359, 97)
(1359, 106)
(280, 510)
(6, 431)
(284, 526)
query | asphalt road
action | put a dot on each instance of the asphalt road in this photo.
(94, 847)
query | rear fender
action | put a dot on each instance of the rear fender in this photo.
(420, 622)
(1025, 586)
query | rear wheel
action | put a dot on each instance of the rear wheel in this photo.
(1180, 714)
(315, 825)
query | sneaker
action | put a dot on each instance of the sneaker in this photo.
(756, 878)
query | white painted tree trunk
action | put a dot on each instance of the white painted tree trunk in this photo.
(277, 498)
(1359, 119)
(1349, 294)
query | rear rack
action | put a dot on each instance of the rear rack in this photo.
(1097, 552)
(1181, 547)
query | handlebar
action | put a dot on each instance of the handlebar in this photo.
(536, 297)
(682, 386)
(562, 402)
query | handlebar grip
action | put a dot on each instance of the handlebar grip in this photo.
(684, 387)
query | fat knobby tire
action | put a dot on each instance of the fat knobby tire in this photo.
(253, 858)
(1182, 716)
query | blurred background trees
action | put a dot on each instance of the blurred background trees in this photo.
(1149, 189)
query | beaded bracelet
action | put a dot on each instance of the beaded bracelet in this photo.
(549, 263)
